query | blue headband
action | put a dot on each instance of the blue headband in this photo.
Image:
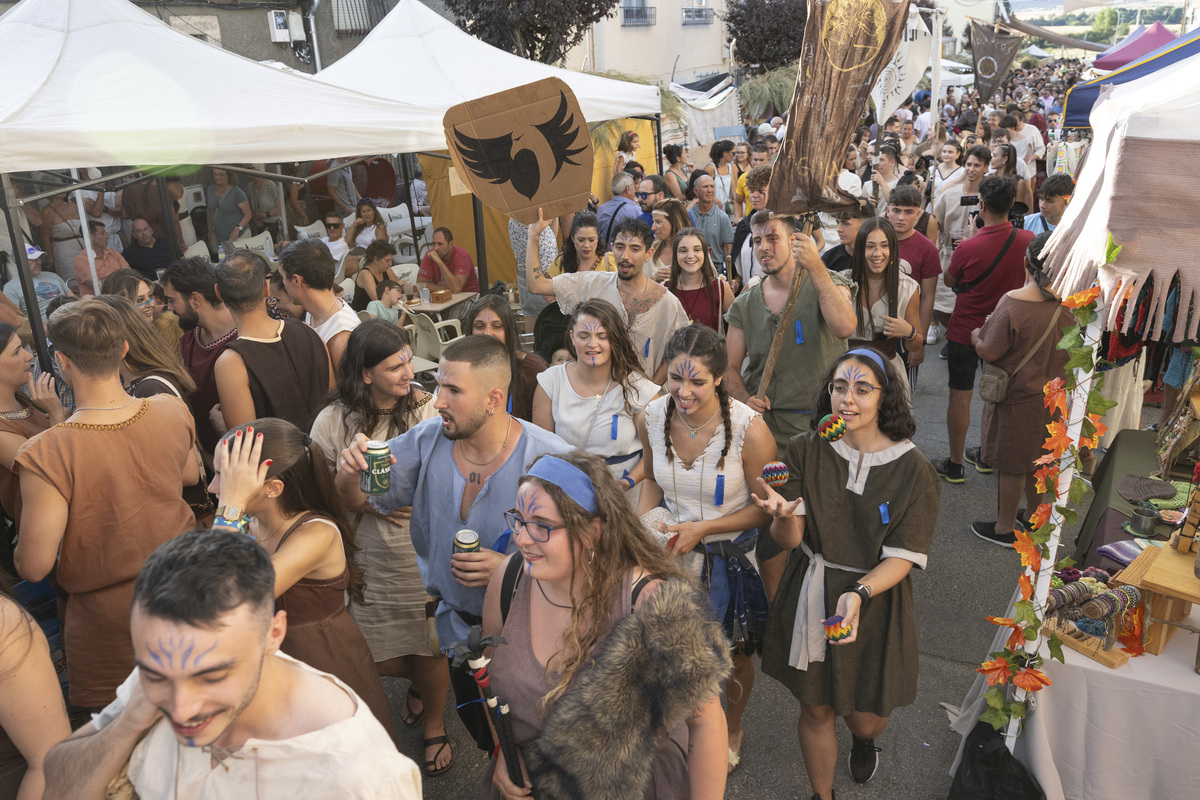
(568, 477)
(871, 354)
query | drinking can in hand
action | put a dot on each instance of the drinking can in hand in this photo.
(466, 541)
(377, 477)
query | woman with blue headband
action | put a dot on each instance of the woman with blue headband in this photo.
(564, 603)
(857, 514)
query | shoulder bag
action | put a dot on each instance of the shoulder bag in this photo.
(966, 286)
(993, 384)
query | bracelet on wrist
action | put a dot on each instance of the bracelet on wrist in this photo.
(239, 523)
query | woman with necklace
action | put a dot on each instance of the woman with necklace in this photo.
(888, 302)
(857, 514)
(273, 483)
(23, 414)
(948, 171)
(375, 395)
(703, 452)
(704, 294)
(591, 402)
(584, 565)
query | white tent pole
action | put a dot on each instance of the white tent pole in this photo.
(86, 232)
(935, 75)
(1076, 413)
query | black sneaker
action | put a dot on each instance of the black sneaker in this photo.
(863, 759)
(950, 472)
(987, 532)
(971, 456)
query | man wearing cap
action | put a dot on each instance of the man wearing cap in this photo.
(46, 285)
(458, 471)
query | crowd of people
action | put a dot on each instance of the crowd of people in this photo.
(600, 477)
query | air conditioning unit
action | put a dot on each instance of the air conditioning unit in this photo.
(285, 26)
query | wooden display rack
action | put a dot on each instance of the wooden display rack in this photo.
(1169, 586)
(1088, 645)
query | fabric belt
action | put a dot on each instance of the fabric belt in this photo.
(808, 631)
(735, 589)
(611, 460)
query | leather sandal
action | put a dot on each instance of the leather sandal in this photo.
(431, 769)
(408, 717)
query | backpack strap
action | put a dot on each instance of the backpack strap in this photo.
(508, 585)
(636, 591)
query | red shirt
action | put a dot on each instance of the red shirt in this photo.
(971, 259)
(459, 264)
(922, 256)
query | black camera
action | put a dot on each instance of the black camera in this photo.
(969, 200)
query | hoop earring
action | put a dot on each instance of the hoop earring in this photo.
(591, 555)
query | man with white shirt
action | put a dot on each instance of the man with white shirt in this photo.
(1026, 138)
(334, 240)
(923, 123)
(308, 271)
(848, 181)
(213, 709)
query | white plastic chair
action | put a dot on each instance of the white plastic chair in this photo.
(347, 289)
(200, 249)
(340, 273)
(405, 272)
(314, 231)
(262, 243)
(193, 197)
(364, 316)
(429, 341)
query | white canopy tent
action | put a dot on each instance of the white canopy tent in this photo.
(94, 83)
(434, 64)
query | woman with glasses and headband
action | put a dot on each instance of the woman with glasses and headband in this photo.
(584, 564)
(857, 514)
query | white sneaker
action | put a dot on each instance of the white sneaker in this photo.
(935, 331)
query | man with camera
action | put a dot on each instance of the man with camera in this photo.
(982, 269)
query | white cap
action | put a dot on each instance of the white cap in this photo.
(33, 252)
(765, 128)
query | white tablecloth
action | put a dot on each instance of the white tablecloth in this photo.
(1132, 732)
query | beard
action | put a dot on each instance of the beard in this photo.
(189, 322)
(463, 428)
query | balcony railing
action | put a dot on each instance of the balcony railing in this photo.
(638, 16)
(697, 16)
(358, 17)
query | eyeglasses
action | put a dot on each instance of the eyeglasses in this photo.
(333, 224)
(538, 531)
(641, 195)
(863, 390)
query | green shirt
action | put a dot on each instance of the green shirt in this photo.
(380, 311)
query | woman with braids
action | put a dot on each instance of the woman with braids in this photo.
(585, 564)
(703, 452)
(375, 395)
(888, 303)
(273, 482)
(856, 515)
(491, 315)
(704, 294)
(32, 715)
(591, 402)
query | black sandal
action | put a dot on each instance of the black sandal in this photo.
(408, 717)
(444, 741)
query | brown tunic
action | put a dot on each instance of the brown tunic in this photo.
(289, 375)
(123, 485)
(35, 423)
(1012, 433)
(521, 680)
(321, 634)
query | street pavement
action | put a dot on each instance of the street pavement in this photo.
(966, 579)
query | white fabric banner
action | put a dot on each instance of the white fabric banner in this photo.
(904, 71)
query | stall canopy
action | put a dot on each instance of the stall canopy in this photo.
(1082, 96)
(1131, 186)
(1126, 39)
(420, 57)
(1151, 39)
(103, 83)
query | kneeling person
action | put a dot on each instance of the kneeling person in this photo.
(210, 679)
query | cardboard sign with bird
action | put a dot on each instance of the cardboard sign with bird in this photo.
(523, 149)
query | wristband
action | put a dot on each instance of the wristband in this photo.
(238, 524)
(860, 589)
(628, 481)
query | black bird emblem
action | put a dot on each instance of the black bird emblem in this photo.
(492, 159)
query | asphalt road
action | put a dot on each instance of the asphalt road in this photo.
(966, 579)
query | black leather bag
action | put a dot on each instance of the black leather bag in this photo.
(988, 771)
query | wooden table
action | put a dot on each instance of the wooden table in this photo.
(436, 309)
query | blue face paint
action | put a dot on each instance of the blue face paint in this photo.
(191, 742)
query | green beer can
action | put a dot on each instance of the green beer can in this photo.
(377, 477)
(466, 541)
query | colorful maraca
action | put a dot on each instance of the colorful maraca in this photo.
(832, 427)
(775, 474)
(836, 629)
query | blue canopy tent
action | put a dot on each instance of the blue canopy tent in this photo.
(1082, 96)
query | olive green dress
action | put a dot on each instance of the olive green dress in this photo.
(861, 509)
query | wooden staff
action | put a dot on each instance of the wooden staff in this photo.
(781, 329)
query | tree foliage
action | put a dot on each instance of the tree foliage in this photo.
(541, 30)
(768, 33)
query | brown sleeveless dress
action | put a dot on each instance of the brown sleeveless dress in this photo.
(520, 680)
(322, 634)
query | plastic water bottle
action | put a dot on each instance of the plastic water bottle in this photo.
(220, 253)
(425, 296)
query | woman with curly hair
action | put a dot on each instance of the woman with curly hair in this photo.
(857, 514)
(703, 452)
(591, 401)
(273, 483)
(491, 315)
(584, 565)
(704, 294)
(375, 395)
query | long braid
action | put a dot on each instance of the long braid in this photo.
(723, 399)
(667, 427)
